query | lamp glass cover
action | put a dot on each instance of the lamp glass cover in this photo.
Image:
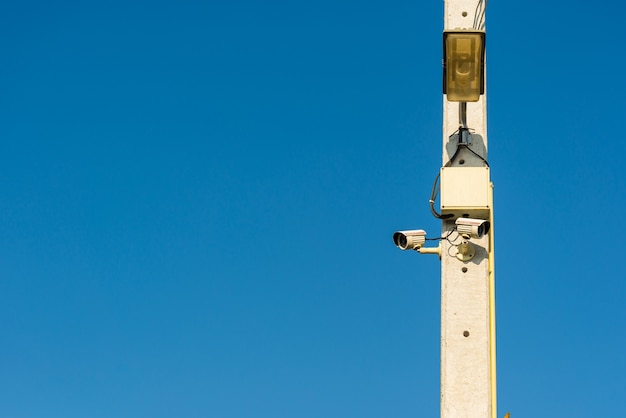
(464, 54)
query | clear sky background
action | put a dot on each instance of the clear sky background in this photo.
(197, 200)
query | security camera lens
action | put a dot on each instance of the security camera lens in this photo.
(483, 229)
(399, 239)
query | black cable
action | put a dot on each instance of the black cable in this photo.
(456, 153)
(450, 248)
(460, 144)
(453, 242)
(478, 155)
(433, 198)
(446, 237)
(435, 190)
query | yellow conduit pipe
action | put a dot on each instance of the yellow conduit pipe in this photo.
(492, 314)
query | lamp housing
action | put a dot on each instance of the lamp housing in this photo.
(463, 65)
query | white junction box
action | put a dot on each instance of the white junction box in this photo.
(465, 191)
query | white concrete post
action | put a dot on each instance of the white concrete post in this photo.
(467, 323)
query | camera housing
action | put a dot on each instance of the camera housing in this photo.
(409, 240)
(472, 228)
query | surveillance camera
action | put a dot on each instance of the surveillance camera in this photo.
(472, 228)
(409, 240)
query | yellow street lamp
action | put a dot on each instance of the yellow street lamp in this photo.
(463, 65)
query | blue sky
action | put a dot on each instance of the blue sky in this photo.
(198, 199)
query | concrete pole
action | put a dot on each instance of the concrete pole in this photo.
(467, 311)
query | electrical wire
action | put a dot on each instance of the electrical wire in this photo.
(479, 24)
(463, 114)
(433, 197)
(435, 190)
(458, 236)
(479, 14)
(476, 154)
(466, 146)
(446, 237)
(456, 154)
(450, 248)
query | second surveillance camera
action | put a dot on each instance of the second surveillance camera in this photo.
(409, 240)
(472, 228)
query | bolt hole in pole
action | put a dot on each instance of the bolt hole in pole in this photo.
(461, 162)
(464, 269)
(466, 333)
